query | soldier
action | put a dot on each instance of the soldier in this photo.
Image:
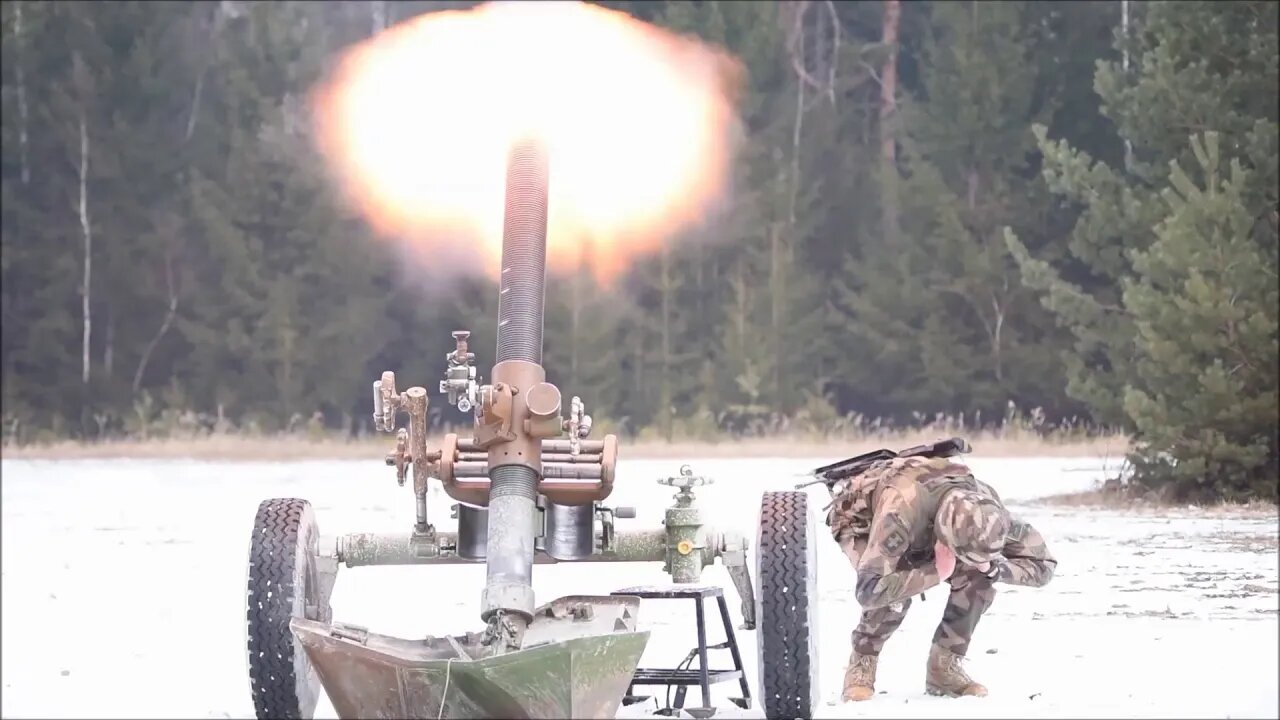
(908, 524)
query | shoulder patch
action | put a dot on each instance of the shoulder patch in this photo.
(896, 537)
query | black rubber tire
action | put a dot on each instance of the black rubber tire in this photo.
(281, 581)
(786, 606)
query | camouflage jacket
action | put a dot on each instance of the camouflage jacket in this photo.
(887, 515)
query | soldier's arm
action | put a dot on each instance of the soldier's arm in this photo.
(1027, 558)
(880, 582)
(853, 548)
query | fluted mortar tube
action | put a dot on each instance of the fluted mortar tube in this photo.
(513, 489)
(522, 285)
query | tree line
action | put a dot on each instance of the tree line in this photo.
(960, 209)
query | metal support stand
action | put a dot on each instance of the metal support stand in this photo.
(682, 677)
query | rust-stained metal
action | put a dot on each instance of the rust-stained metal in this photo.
(567, 479)
(423, 462)
(399, 458)
(577, 425)
(567, 471)
(495, 421)
(506, 436)
(467, 445)
(470, 493)
(546, 457)
(608, 465)
(542, 401)
(386, 402)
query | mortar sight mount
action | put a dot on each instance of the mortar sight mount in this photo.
(529, 487)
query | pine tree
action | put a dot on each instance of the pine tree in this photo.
(1197, 66)
(1206, 302)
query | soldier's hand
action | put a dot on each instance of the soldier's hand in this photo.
(944, 560)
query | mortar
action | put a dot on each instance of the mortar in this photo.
(529, 486)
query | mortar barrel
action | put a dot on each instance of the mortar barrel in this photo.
(521, 296)
(521, 299)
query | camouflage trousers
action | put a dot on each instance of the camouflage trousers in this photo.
(971, 596)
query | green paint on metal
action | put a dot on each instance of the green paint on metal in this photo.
(578, 678)
(639, 546)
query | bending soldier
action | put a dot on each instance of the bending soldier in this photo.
(909, 524)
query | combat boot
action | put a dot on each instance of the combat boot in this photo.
(946, 677)
(860, 678)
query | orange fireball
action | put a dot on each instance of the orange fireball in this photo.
(638, 122)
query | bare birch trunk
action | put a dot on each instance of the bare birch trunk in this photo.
(1124, 31)
(996, 355)
(220, 16)
(776, 313)
(169, 316)
(665, 393)
(743, 304)
(888, 121)
(796, 133)
(88, 246)
(22, 95)
(638, 353)
(193, 113)
(575, 316)
(223, 11)
(109, 351)
(781, 249)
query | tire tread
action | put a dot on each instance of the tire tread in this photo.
(269, 606)
(784, 622)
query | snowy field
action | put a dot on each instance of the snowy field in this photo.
(123, 593)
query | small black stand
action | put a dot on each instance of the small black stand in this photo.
(682, 677)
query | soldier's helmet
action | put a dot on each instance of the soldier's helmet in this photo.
(973, 525)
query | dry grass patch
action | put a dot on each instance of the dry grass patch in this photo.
(1109, 498)
(292, 447)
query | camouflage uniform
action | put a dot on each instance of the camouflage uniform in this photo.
(887, 520)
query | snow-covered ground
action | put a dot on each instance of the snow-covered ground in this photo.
(123, 593)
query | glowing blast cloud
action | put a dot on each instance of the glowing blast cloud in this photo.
(417, 121)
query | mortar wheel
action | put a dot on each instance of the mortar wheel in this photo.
(787, 606)
(283, 583)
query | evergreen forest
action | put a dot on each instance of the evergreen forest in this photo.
(1061, 211)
